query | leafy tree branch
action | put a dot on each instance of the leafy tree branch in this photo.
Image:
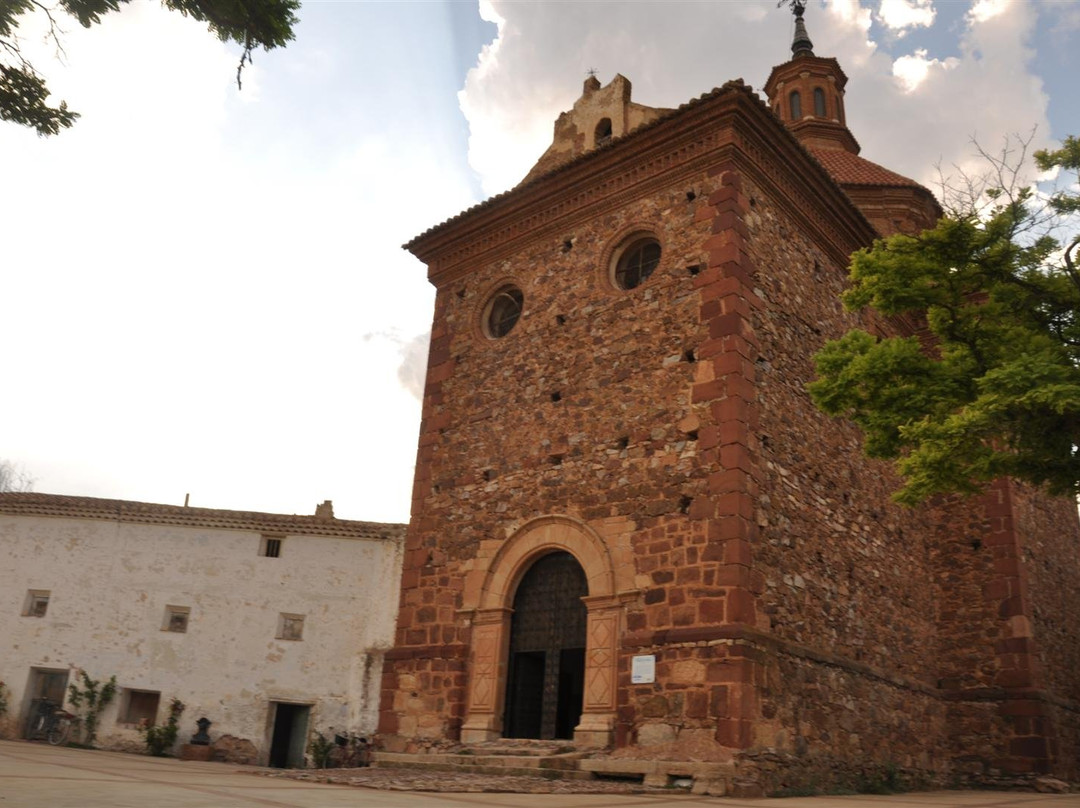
(24, 94)
(990, 386)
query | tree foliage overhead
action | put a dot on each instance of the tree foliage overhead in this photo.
(990, 386)
(24, 95)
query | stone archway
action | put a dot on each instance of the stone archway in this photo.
(491, 604)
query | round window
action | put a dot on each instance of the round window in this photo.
(503, 311)
(637, 262)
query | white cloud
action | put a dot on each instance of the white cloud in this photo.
(908, 112)
(913, 69)
(903, 14)
(535, 68)
(193, 293)
(850, 13)
(412, 371)
(983, 10)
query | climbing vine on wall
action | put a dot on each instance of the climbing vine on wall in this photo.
(90, 700)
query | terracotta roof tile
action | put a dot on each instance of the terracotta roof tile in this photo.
(153, 514)
(850, 169)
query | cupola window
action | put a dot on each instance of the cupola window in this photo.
(819, 102)
(795, 100)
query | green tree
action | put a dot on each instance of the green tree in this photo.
(24, 95)
(990, 387)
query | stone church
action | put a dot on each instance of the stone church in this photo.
(631, 528)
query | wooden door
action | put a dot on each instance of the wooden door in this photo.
(547, 650)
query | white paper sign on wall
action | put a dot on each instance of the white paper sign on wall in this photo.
(643, 670)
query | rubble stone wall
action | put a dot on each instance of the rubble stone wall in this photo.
(801, 621)
(1049, 540)
(828, 724)
(846, 570)
(583, 409)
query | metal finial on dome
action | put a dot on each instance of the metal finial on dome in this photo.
(801, 45)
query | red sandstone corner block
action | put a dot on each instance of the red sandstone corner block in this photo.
(741, 607)
(733, 733)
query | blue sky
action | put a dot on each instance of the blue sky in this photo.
(1053, 43)
(204, 287)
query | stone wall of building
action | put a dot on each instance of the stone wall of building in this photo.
(830, 724)
(1049, 546)
(583, 409)
(804, 627)
(111, 584)
(846, 570)
(633, 405)
(1003, 633)
(1049, 540)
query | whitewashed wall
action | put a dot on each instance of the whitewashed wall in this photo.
(110, 583)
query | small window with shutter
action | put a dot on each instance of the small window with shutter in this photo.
(290, 627)
(270, 546)
(37, 603)
(176, 619)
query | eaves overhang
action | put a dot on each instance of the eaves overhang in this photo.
(149, 513)
(728, 126)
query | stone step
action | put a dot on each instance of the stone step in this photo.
(518, 747)
(552, 767)
(423, 762)
(662, 772)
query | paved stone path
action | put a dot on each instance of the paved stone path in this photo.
(458, 783)
(42, 776)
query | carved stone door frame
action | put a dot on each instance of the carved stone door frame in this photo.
(490, 605)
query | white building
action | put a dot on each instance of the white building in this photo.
(271, 626)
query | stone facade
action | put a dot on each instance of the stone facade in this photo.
(113, 574)
(805, 630)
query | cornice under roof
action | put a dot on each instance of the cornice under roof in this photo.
(118, 510)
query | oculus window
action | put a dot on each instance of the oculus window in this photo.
(636, 262)
(503, 311)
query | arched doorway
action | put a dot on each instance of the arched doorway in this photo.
(490, 590)
(546, 683)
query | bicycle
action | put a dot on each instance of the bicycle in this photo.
(53, 723)
(60, 730)
(352, 752)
